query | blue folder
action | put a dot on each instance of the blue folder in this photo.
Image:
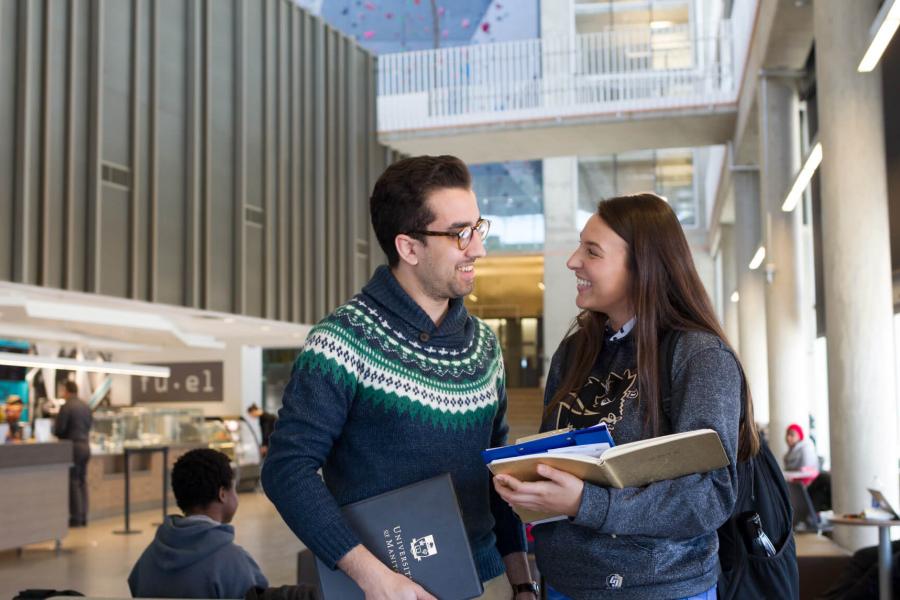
(598, 434)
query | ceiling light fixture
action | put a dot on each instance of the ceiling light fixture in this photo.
(70, 364)
(473, 297)
(883, 28)
(541, 286)
(758, 258)
(735, 297)
(804, 176)
(660, 24)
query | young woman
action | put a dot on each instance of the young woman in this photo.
(636, 282)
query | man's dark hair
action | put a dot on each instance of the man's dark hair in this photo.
(197, 477)
(397, 204)
(71, 386)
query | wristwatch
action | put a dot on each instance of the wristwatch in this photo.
(531, 586)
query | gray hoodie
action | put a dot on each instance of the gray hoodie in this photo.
(658, 541)
(194, 558)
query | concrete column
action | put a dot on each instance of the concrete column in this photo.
(856, 255)
(751, 286)
(560, 239)
(788, 351)
(729, 285)
(557, 51)
(557, 18)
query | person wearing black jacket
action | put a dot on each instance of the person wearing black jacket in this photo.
(74, 423)
(266, 426)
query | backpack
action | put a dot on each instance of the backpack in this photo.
(761, 490)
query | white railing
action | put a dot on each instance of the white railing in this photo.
(614, 71)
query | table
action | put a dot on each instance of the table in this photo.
(165, 483)
(884, 548)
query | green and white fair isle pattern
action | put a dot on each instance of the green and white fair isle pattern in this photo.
(454, 388)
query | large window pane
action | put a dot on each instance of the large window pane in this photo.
(668, 173)
(511, 196)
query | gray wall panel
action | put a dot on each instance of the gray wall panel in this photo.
(221, 195)
(253, 109)
(270, 156)
(30, 142)
(141, 146)
(254, 255)
(78, 176)
(319, 152)
(113, 240)
(244, 133)
(116, 63)
(8, 55)
(308, 162)
(283, 133)
(172, 156)
(332, 276)
(54, 146)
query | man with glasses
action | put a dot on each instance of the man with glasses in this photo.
(399, 385)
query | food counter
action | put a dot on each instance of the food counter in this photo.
(179, 429)
(34, 492)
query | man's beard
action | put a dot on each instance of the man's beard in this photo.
(447, 290)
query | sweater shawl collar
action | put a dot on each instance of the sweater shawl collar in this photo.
(384, 289)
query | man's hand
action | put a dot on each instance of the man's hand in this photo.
(560, 494)
(378, 581)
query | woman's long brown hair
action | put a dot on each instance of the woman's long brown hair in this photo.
(667, 294)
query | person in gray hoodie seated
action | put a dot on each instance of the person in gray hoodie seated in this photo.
(637, 286)
(195, 556)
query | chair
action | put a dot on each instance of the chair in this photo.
(805, 516)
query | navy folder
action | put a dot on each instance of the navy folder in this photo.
(597, 434)
(417, 531)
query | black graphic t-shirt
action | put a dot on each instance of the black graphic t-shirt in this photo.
(608, 396)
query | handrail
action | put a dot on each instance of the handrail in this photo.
(624, 68)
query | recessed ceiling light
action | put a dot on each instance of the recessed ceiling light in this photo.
(266, 328)
(228, 320)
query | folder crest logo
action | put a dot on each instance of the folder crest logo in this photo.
(422, 547)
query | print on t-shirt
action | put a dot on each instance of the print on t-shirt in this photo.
(598, 401)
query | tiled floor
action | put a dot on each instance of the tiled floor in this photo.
(96, 562)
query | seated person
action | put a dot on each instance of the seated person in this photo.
(195, 556)
(801, 454)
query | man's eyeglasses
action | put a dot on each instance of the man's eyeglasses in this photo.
(464, 235)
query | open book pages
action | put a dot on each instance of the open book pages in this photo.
(635, 464)
(592, 450)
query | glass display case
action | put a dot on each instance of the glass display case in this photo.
(135, 427)
(235, 437)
